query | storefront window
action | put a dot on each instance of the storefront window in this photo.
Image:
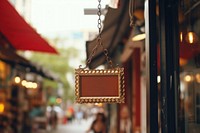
(189, 104)
(190, 100)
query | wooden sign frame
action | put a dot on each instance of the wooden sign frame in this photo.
(99, 86)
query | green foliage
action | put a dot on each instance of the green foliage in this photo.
(58, 64)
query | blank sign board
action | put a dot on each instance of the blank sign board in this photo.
(99, 86)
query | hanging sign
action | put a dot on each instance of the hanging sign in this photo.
(99, 86)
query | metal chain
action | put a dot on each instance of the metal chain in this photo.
(132, 7)
(99, 39)
(105, 51)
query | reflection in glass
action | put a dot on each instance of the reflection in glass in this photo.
(190, 101)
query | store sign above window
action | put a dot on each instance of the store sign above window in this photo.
(99, 86)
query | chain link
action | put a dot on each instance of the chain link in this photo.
(132, 7)
(100, 43)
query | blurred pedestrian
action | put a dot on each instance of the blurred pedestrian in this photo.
(79, 116)
(70, 114)
(53, 118)
(99, 124)
(125, 121)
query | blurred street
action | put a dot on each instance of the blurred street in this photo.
(74, 127)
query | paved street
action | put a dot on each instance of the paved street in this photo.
(75, 127)
(72, 128)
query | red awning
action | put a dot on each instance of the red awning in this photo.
(18, 32)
